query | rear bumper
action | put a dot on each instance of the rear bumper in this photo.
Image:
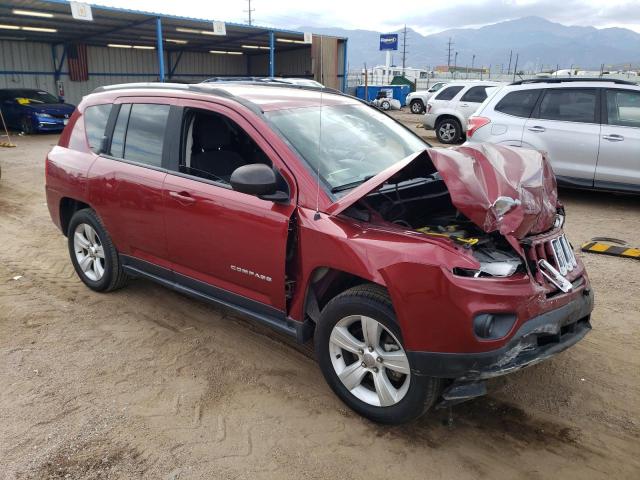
(539, 338)
(429, 121)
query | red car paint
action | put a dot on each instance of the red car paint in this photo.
(202, 231)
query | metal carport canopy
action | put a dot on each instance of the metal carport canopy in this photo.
(136, 29)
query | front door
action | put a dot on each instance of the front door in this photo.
(231, 244)
(566, 125)
(619, 157)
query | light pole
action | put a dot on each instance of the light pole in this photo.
(473, 61)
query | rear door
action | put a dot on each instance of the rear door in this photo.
(566, 125)
(228, 244)
(126, 179)
(619, 157)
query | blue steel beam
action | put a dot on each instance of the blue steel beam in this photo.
(160, 49)
(344, 66)
(272, 53)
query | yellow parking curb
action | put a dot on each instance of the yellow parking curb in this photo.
(614, 250)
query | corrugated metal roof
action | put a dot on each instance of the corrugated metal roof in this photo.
(124, 26)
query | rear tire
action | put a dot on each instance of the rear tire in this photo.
(359, 349)
(449, 131)
(93, 254)
(26, 126)
(416, 106)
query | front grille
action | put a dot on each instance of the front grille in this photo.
(556, 251)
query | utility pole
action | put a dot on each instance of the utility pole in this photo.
(250, 11)
(449, 45)
(455, 64)
(510, 57)
(473, 61)
(404, 49)
(515, 67)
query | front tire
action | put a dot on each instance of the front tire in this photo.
(93, 254)
(359, 348)
(385, 105)
(416, 106)
(449, 131)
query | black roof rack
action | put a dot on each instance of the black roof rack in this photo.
(192, 87)
(572, 79)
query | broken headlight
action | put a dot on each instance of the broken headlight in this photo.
(493, 263)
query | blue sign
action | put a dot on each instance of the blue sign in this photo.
(389, 41)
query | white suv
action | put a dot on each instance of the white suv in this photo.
(448, 110)
(590, 128)
(418, 100)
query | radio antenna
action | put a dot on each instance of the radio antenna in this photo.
(317, 215)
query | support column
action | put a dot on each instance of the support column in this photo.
(345, 66)
(160, 49)
(272, 54)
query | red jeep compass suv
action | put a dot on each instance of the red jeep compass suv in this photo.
(419, 272)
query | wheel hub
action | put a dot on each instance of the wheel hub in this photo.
(369, 360)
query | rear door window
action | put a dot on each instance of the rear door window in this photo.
(519, 103)
(448, 93)
(623, 108)
(145, 133)
(95, 123)
(569, 105)
(476, 94)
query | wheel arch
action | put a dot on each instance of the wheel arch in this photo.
(325, 283)
(68, 207)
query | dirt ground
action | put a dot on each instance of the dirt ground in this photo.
(147, 383)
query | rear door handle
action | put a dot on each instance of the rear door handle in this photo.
(464, 104)
(182, 197)
(614, 137)
(536, 128)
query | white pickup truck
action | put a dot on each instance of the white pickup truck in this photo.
(417, 100)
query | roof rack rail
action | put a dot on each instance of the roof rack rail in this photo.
(192, 87)
(573, 79)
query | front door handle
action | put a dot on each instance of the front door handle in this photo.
(182, 197)
(614, 137)
(536, 128)
(464, 104)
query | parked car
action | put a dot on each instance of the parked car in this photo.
(417, 100)
(589, 128)
(384, 102)
(448, 110)
(30, 110)
(324, 218)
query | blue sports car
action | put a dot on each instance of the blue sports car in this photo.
(30, 110)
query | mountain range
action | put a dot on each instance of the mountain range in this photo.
(539, 44)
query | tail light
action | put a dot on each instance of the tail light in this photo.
(429, 106)
(474, 123)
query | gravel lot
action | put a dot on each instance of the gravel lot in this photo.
(146, 383)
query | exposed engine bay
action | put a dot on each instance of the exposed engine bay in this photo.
(422, 203)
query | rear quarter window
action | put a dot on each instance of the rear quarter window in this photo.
(448, 93)
(475, 95)
(95, 123)
(519, 104)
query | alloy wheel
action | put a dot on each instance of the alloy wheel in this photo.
(89, 251)
(369, 361)
(416, 107)
(447, 131)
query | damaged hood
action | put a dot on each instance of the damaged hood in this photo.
(506, 189)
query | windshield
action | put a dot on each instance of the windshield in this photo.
(356, 142)
(34, 96)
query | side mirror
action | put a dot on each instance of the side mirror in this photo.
(257, 179)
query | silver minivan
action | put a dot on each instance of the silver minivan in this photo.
(590, 128)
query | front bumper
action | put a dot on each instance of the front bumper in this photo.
(537, 339)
